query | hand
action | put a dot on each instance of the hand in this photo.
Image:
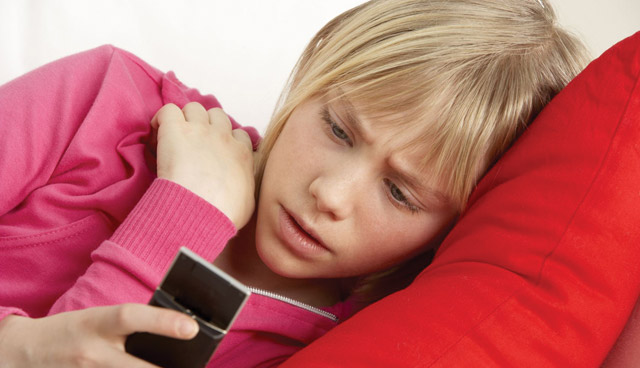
(198, 150)
(91, 337)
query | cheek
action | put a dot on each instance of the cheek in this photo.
(386, 242)
(295, 148)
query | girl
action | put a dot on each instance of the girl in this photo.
(392, 113)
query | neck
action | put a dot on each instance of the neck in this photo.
(240, 259)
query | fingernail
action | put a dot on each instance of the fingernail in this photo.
(188, 328)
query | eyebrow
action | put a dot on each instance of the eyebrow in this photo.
(427, 192)
(432, 195)
(350, 116)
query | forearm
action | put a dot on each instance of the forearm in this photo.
(129, 266)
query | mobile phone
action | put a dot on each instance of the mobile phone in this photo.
(209, 295)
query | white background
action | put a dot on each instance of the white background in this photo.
(240, 50)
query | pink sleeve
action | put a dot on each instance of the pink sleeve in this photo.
(41, 113)
(69, 116)
(5, 311)
(31, 106)
(128, 267)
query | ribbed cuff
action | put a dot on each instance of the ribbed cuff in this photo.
(5, 311)
(169, 216)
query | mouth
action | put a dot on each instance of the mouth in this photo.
(299, 236)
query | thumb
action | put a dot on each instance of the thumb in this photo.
(125, 319)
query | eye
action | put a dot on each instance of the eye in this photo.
(336, 131)
(397, 196)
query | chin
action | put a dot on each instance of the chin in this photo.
(280, 265)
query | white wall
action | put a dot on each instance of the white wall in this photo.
(601, 23)
(240, 50)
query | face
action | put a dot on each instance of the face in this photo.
(339, 198)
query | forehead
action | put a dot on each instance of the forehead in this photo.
(408, 133)
(403, 117)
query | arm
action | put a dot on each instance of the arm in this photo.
(43, 114)
(214, 165)
(40, 114)
(130, 264)
(116, 276)
(41, 117)
(74, 139)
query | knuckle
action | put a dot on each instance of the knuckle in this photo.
(216, 111)
(169, 106)
(168, 112)
(216, 114)
(193, 105)
(84, 356)
(122, 314)
(82, 323)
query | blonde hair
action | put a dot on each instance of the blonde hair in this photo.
(466, 76)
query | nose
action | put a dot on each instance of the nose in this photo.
(336, 192)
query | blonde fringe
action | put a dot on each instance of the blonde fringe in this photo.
(464, 77)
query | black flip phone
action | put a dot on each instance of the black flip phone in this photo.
(195, 287)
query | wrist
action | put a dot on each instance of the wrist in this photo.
(7, 326)
(4, 323)
(167, 217)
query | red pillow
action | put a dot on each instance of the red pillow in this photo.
(543, 269)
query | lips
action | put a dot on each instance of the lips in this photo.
(301, 239)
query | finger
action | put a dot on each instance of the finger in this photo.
(243, 137)
(219, 119)
(195, 113)
(167, 112)
(126, 319)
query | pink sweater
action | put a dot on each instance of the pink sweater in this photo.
(85, 222)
